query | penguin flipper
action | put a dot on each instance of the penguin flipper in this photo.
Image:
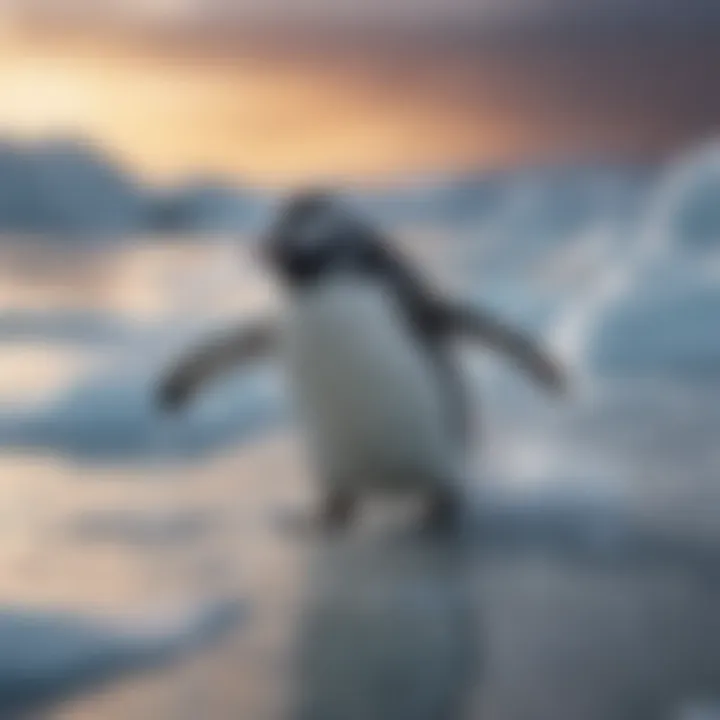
(471, 322)
(217, 356)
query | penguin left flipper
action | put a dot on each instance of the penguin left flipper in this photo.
(173, 393)
(212, 359)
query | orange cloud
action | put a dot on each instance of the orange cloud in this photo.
(267, 118)
(275, 114)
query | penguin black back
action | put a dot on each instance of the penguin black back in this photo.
(317, 237)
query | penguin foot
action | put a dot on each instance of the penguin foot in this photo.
(444, 513)
(338, 510)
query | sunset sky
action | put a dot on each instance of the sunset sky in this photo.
(283, 91)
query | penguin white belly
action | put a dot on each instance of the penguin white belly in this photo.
(371, 399)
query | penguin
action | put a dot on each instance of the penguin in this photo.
(367, 345)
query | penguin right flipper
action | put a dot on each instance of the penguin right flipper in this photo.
(436, 317)
(463, 321)
(212, 359)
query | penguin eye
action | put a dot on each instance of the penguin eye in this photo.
(319, 229)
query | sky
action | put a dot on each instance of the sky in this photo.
(286, 91)
(396, 15)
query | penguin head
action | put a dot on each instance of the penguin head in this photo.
(315, 236)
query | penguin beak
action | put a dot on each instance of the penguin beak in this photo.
(301, 242)
(289, 256)
(300, 260)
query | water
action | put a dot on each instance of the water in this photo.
(587, 585)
